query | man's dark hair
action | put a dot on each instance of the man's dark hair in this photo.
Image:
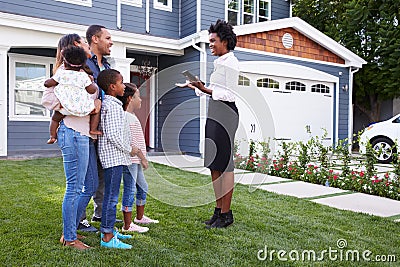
(74, 56)
(106, 78)
(130, 90)
(224, 31)
(92, 31)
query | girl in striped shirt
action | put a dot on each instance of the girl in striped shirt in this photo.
(133, 175)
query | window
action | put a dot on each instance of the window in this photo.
(27, 75)
(268, 83)
(78, 2)
(163, 5)
(233, 12)
(243, 80)
(295, 86)
(263, 10)
(137, 3)
(320, 88)
(247, 11)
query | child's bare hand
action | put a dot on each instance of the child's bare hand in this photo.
(145, 164)
(134, 151)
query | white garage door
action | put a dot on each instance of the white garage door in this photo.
(297, 108)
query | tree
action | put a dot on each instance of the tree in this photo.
(369, 28)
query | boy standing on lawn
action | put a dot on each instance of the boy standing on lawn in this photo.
(114, 150)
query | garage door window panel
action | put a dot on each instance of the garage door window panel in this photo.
(244, 81)
(295, 86)
(320, 88)
(268, 83)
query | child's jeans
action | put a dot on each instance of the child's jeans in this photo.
(112, 182)
(134, 180)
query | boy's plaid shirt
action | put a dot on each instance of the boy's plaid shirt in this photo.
(114, 147)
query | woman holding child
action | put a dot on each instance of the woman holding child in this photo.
(79, 156)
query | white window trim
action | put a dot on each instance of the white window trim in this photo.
(254, 14)
(13, 58)
(238, 17)
(241, 13)
(258, 10)
(78, 2)
(159, 6)
(136, 3)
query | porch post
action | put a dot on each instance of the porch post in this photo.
(3, 99)
(123, 66)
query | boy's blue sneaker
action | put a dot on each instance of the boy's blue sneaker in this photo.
(118, 235)
(114, 243)
(121, 236)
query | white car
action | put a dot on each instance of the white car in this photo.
(383, 136)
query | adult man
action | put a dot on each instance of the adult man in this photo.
(99, 39)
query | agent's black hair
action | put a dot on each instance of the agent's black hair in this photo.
(130, 90)
(92, 31)
(106, 78)
(224, 31)
(74, 56)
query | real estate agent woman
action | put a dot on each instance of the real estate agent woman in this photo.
(222, 120)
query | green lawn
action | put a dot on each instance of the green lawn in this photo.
(31, 193)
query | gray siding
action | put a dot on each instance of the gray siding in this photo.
(162, 23)
(165, 23)
(178, 109)
(28, 135)
(189, 15)
(133, 19)
(103, 12)
(211, 11)
(333, 70)
(280, 9)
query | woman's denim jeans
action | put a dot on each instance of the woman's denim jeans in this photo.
(134, 182)
(91, 182)
(112, 183)
(75, 152)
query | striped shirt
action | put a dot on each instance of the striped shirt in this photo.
(136, 135)
(113, 147)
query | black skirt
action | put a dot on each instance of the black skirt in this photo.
(221, 125)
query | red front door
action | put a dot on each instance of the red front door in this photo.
(144, 112)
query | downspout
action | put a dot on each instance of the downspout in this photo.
(179, 19)
(147, 16)
(351, 127)
(198, 16)
(119, 23)
(203, 99)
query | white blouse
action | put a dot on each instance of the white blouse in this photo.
(224, 79)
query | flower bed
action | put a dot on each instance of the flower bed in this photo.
(317, 164)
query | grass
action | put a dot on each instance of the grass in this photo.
(31, 194)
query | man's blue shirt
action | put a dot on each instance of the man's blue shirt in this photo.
(94, 66)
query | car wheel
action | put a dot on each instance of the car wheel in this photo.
(384, 148)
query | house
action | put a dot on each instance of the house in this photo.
(293, 76)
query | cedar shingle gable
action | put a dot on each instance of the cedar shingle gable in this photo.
(303, 46)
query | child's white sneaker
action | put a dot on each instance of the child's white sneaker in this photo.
(135, 228)
(145, 220)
